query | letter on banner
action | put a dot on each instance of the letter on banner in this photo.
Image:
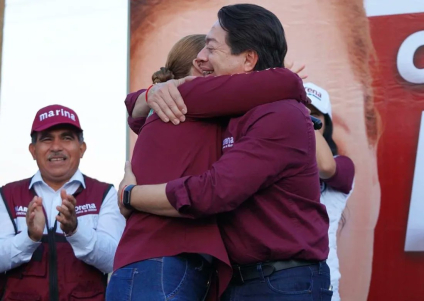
(415, 229)
(405, 58)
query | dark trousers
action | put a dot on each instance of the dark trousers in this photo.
(306, 283)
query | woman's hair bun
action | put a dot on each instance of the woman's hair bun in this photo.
(163, 75)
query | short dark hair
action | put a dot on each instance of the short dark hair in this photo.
(77, 132)
(252, 27)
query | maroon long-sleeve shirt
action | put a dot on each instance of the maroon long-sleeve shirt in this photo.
(164, 152)
(265, 188)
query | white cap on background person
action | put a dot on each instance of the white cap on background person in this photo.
(319, 98)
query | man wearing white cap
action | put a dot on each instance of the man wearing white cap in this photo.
(59, 229)
(336, 174)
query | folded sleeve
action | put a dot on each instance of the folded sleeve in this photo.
(342, 180)
(233, 95)
(135, 124)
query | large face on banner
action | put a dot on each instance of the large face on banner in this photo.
(332, 39)
(397, 31)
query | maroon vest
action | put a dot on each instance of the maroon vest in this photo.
(53, 273)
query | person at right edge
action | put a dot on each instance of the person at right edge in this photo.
(336, 175)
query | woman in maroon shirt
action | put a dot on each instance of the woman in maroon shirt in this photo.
(161, 257)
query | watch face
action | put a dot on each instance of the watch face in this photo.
(126, 199)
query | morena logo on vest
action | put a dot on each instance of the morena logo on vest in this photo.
(85, 208)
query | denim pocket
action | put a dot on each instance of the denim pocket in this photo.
(185, 277)
(326, 294)
(296, 281)
(174, 272)
(291, 286)
(121, 284)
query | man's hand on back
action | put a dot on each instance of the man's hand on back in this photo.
(297, 70)
(166, 100)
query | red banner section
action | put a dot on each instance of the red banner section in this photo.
(399, 90)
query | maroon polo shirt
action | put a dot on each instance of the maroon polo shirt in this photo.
(265, 188)
(164, 152)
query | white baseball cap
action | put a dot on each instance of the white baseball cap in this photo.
(319, 98)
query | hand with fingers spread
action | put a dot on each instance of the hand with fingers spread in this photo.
(296, 70)
(129, 179)
(166, 100)
(67, 217)
(35, 219)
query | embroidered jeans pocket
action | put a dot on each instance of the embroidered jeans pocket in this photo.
(121, 285)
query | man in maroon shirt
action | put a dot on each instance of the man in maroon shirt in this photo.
(265, 188)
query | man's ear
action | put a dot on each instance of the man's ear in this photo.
(31, 148)
(83, 148)
(196, 66)
(251, 58)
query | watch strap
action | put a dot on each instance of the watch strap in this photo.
(126, 200)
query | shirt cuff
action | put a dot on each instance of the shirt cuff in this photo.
(177, 195)
(131, 100)
(136, 124)
(342, 180)
(82, 241)
(23, 243)
(333, 177)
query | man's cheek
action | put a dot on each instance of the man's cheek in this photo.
(342, 135)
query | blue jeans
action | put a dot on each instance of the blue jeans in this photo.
(178, 278)
(307, 283)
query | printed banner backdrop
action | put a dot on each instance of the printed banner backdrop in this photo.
(397, 31)
(370, 58)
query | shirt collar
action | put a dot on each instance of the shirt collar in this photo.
(77, 177)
